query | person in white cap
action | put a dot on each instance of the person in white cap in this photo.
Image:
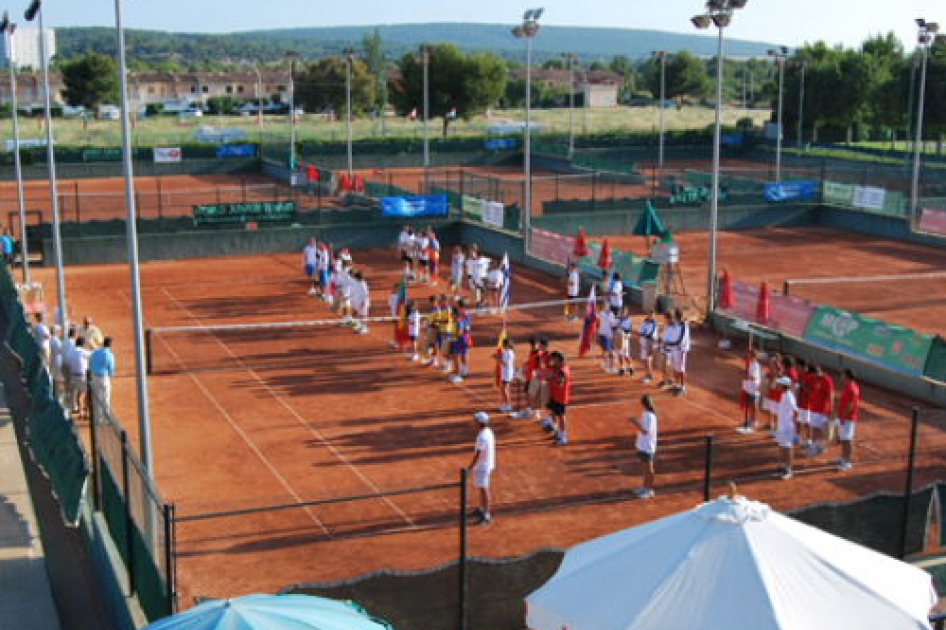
(484, 461)
(787, 414)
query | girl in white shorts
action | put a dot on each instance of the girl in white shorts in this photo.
(648, 333)
(622, 338)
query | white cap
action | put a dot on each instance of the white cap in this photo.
(784, 380)
(482, 417)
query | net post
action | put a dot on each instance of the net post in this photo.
(786, 287)
(708, 467)
(462, 561)
(129, 519)
(149, 361)
(908, 482)
(170, 566)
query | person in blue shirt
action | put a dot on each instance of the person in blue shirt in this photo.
(102, 367)
(6, 246)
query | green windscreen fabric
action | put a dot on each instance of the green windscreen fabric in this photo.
(936, 361)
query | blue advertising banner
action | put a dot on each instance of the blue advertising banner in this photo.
(499, 144)
(802, 190)
(416, 206)
(236, 151)
(732, 140)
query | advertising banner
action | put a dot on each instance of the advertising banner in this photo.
(236, 151)
(869, 198)
(894, 347)
(838, 194)
(802, 190)
(415, 206)
(493, 213)
(500, 144)
(167, 155)
(472, 207)
(933, 221)
(790, 314)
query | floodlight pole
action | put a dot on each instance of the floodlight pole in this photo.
(36, 10)
(349, 57)
(779, 56)
(570, 60)
(131, 232)
(801, 107)
(662, 57)
(425, 60)
(528, 29)
(927, 32)
(17, 163)
(718, 13)
(291, 56)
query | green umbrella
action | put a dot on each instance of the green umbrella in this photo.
(649, 224)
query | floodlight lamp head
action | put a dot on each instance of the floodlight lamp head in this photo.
(32, 10)
(722, 20)
(737, 4)
(527, 15)
(517, 31)
(920, 22)
(715, 5)
(701, 21)
(932, 27)
(5, 22)
(530, 29)
(537, 13)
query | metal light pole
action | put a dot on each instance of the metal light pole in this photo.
(570, 60)
(927, 36)
(528, 30)
(8, 29)
(780, 56)
(35, 11)
(259, 100)
(425, 60)
(718, 13)
(350, 59)
(291, 56)
(131, 232)
(662, 57)
(801, 107)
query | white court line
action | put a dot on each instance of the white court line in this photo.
(246, 438)
(315, 432)
(854, 279)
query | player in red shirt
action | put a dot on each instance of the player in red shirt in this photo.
(806, 386)
(560, 385)
(821, 402)
(848, 409)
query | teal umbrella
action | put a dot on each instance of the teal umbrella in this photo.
(649, 224)
(272, 612)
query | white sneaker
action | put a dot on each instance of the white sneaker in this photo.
(505, 409)
(456, 379)
(363, 330)
(427, 362)
(312, 291)
(547, 424)
(845, 466)
(392, 344)
(414, 357)
(745, 430)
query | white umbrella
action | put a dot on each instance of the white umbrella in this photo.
(731, 564)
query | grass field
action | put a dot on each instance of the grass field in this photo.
(171, 130)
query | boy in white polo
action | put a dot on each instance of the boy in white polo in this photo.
(484, 461)
(785, 429)
(648, 335)
(310, 259)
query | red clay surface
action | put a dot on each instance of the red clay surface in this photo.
(260, 418)
(778, 254)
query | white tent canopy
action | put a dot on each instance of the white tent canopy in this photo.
(731, 564)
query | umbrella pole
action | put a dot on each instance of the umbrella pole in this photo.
(908, 490)
(461, 565)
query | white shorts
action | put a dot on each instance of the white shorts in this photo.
(769, 405)
(625, 344)
(846, 433)
(785, 439)
(481, 477)
(678, 360)
(818, 420)
(804, 416)
(647, 348)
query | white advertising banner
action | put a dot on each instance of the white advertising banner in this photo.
(869, 198)
(493, 213)
(167, 155)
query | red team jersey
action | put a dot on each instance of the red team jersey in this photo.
(560, 385)
(850, 402)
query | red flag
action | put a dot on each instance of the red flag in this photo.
(763, 310)
(726, 297)
(589, 326)
(581, 245)
(604, 260)
(312, 173)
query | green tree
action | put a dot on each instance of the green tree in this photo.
(623, 66)
(221, 105)
(322, 85)
(90, 80)
(685, 76)
(377, 66)
(466, 84)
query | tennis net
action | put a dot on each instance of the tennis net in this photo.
(296, 344)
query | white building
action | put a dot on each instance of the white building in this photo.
(26, 47)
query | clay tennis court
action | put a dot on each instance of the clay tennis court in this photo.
(247, 419)
(98, 199)
(900, 283)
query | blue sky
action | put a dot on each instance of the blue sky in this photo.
(791, 22)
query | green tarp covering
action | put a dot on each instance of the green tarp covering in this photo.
(891, 346)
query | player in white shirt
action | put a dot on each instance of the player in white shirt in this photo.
(422, 256)
(507, 371)
(457, 269)
(471, 263)
(751, 390)
(361, 302)
(323, 265)
(623, 333)
(343, 282)
(483, 464)
(405, 248)
(616, 294)
(646, 444)
(606, 321)
(648, 335)
(310, 260)
(42, 336)
(572, 288)
(494, 286)
(787, 413)
(678, 354)
(413, 328)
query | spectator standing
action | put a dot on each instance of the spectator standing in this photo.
(68, 346)
(848, 415)
(785, 429)
(55, 360)
(8, 245)
(310, 264)
(616, 294)
(483, 464)
(751, 390)
(572, 287)
(457, 268)
(648, 335)
(42, 336)
(507, 371)
(78, 364)
(91, 333)
(646, 444)
(102, 367)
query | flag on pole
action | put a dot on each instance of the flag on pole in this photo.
(589, 325)
(505, 291)
(497, 374)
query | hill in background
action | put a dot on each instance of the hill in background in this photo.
(154, 47)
